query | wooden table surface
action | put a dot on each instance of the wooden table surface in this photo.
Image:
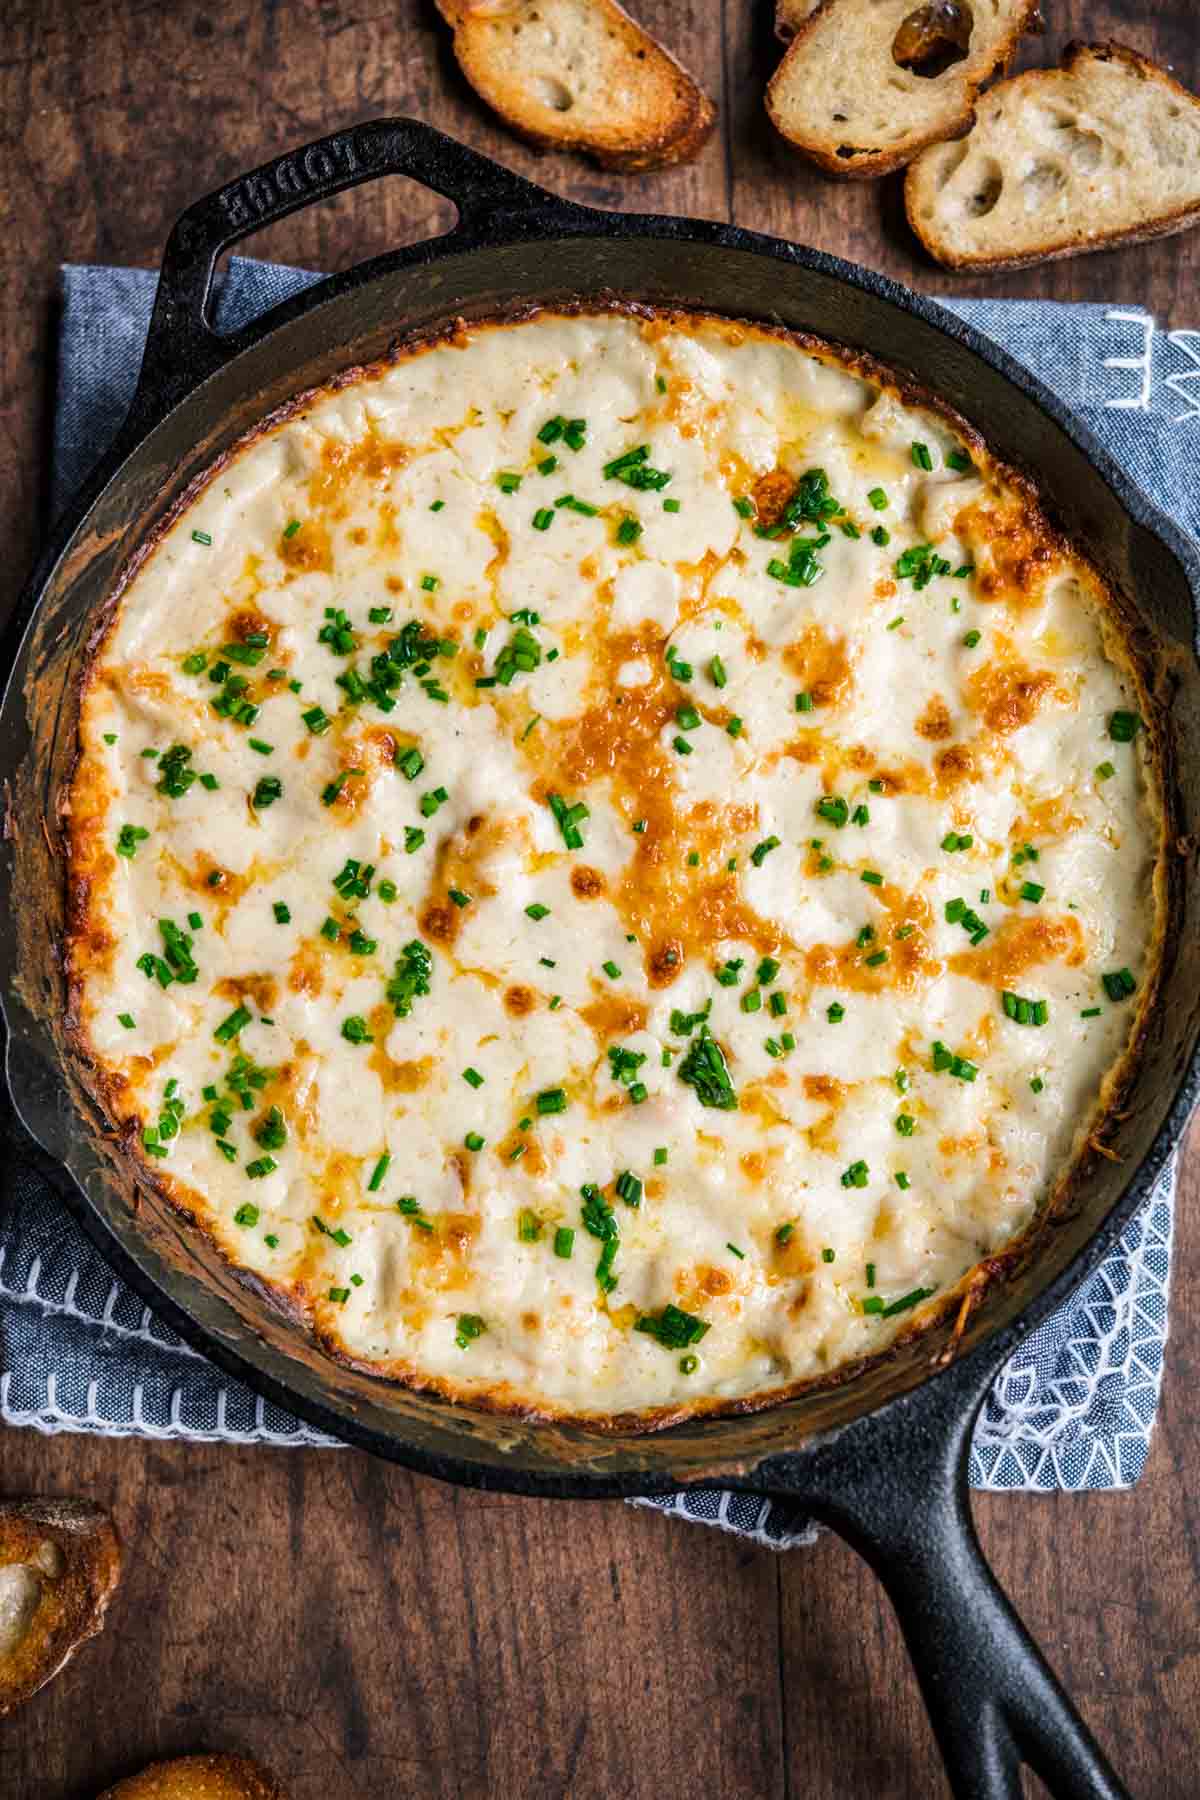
(367, 1633)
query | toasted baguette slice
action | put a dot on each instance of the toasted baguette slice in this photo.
(790, 16)
(580, 75)
(59, 1564)
(1103, 151)
(199, 1778)
(843, 99)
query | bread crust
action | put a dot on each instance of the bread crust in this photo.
(678, 133)
(60, 1562)
(790, 15)
(1168, 224)
(199, 1778)
(869, 165)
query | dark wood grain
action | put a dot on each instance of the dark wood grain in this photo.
(373, 1635)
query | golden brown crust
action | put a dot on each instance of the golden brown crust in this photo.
(870, 165)
(60, 1561)
(1168, 224)
(674, 116)
(199, 1778)
(501, 1398)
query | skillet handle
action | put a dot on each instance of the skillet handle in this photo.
(899, 1495)
(182, 348)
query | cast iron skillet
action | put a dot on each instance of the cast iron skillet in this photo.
(881, 1459)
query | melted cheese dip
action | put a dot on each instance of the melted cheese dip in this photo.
(612, 860)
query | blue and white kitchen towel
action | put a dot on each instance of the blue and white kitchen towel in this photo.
(1073, 1409)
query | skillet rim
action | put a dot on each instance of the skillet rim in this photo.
(551, 220)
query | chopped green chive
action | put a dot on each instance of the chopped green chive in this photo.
(673, 1328)
(1123, 727)
(229, 1027)
(611, 970)
(569, 819)
(128, 839)
(919, 564)
(267, 790)
(628, 1187)
(921, 457)
(945, 1062)
(906, 1301)
(704, 1069)
(634, 469)
(1119, 985)
(564, 1242)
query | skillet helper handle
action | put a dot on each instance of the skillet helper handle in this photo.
(992, 1698)
(182, 348)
